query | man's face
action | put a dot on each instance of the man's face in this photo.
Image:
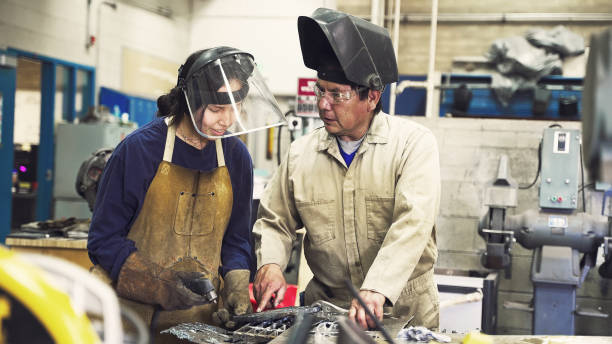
(348, 119)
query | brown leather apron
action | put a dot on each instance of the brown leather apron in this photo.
(181, 226)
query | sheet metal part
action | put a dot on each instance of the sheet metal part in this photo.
(393, 325)
(263, 332)
(200, 333)
(250, 333)
(259, 327)
(271, 315)
(321, 310)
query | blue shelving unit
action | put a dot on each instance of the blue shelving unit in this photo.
(141, 110)
(484, 102)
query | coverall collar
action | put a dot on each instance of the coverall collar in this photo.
(378, 132)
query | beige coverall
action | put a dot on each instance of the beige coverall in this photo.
(372, 223)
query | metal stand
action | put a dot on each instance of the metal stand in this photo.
(555, 274)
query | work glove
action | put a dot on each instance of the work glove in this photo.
(236, 299)
(144, 281)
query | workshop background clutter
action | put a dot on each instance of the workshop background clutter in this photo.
(79, 76)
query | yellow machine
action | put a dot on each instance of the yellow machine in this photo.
(34, 310)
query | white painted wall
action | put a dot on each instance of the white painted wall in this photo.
(58, 29)
(266, 29)
(27, 115)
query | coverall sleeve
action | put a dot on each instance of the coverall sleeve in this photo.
(417, 197)
(277, 219)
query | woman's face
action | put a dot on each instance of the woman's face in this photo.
(218, 117)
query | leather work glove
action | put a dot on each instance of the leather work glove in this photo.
(236, 299)
(144, 281)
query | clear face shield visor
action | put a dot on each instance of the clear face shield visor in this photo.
(229, 97)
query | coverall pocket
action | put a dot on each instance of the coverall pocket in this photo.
(422, 303)
(379, 213)
(318, 218)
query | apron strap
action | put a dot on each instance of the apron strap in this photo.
(170, 136)
(220, 156)
(169, 149)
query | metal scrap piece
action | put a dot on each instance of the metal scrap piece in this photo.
(259, 327)
(200, 333)
(263, 332)
(271, 315)
(328, 311)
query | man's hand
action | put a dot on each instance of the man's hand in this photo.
(374, 301)
(269, 280)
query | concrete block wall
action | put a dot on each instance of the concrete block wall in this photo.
(469, 155)
(472, 38)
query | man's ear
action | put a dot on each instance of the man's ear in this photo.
(373, 98)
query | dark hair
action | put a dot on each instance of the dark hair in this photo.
(362, 92)
(174, 103)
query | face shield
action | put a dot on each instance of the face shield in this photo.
(227, 96)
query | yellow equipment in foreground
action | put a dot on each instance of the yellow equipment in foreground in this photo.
(31, 307)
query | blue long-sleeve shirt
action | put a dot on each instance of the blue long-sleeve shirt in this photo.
(126, 179)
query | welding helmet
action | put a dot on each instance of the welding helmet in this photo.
(346, 49)
(226, 95)
(89, 175)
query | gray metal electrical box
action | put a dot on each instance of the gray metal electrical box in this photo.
(560, 168)
(74, 143)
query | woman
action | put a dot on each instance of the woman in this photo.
(174, 201)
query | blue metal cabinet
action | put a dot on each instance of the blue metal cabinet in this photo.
(140, 110)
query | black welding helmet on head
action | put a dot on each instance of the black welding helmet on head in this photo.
(226, 95)
(341, 48)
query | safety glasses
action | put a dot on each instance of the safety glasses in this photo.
(335, 97)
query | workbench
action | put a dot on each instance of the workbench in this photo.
(497, 339)
(394, 326)
(73, 250)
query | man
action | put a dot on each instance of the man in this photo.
(366, 188)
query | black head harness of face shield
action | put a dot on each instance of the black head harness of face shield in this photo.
(210, 70)
(210, 79)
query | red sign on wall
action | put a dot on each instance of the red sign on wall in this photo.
(306, 100)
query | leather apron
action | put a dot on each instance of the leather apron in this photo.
(181, 226)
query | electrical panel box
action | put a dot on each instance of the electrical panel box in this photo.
(74, 143)
(560, 168)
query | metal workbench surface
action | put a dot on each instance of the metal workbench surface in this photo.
(393, 327)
